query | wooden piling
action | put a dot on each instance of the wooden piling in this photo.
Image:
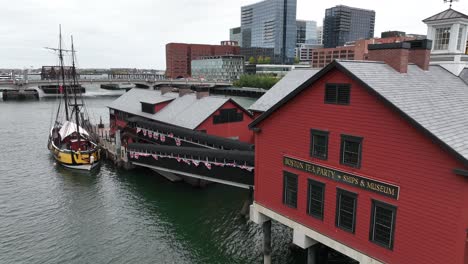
(267, 242)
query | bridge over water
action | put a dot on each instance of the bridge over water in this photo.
(190, 153)
(142, 82)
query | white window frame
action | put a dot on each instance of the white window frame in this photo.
(439, 48)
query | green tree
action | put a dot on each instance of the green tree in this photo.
(252, 60)
(296, 60)
(257, 81)
(260, 60)
(267, 60)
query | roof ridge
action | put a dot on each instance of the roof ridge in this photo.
(362, 61)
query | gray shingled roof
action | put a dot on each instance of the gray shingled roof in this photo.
(130, 101)
(435, 99)
(285, 86)
(186, 111)
(447, 14)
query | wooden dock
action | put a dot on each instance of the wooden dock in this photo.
(111, 151)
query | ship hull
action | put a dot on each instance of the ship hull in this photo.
(85, 167)
(75, 159)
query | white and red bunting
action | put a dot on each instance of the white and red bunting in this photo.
(206, 163)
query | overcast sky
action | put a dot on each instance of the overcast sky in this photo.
(133, 33)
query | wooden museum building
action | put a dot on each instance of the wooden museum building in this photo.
(369, 158)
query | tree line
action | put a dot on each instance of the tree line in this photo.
(258, 81)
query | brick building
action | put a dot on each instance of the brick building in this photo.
(356, 50)
(374, 160)
(179, 56)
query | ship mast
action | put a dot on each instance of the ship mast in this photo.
(65, 95)
(74, 86)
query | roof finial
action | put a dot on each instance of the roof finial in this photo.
(450, 1)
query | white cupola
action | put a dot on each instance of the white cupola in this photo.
(448, 32)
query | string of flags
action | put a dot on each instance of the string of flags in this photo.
(208, 164)
(156, 135)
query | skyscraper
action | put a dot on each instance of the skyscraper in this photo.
(344, 23)
(320, 35)
(306, 32)
(235, 35)
(270, 24)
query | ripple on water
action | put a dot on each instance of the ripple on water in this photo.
(52, 215)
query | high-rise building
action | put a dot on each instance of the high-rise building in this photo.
(271, 24)
(235, 35)
(306, 32)
(320, 35)
(179, 56)
(343, 24)
(301, 32)
(311, 32)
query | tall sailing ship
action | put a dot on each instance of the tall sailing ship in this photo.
(72, 141)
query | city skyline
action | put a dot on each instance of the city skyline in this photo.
(123, 34)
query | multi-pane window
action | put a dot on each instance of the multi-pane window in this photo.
(442, 38)
(337, 94)
(382, 224)
(290, 189)
(316, 197)
(228, 116)
(346, 203)
(351, 151)
(461, 33)
(319, 144)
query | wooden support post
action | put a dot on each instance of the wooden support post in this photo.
(267, 242)
(246, 207)
(322, 253)
(312, 254)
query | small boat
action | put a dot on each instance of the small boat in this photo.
(71, 139)
(54, 89)
(6, 76)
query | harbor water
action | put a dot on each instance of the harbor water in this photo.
(52, 215)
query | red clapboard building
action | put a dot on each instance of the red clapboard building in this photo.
(198, 111)
(370, 158)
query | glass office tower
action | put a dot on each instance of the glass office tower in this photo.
(271, 24)
(343, 23)
(306, 32)
(235, 35)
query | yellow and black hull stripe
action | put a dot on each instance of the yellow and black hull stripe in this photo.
(76, 159)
